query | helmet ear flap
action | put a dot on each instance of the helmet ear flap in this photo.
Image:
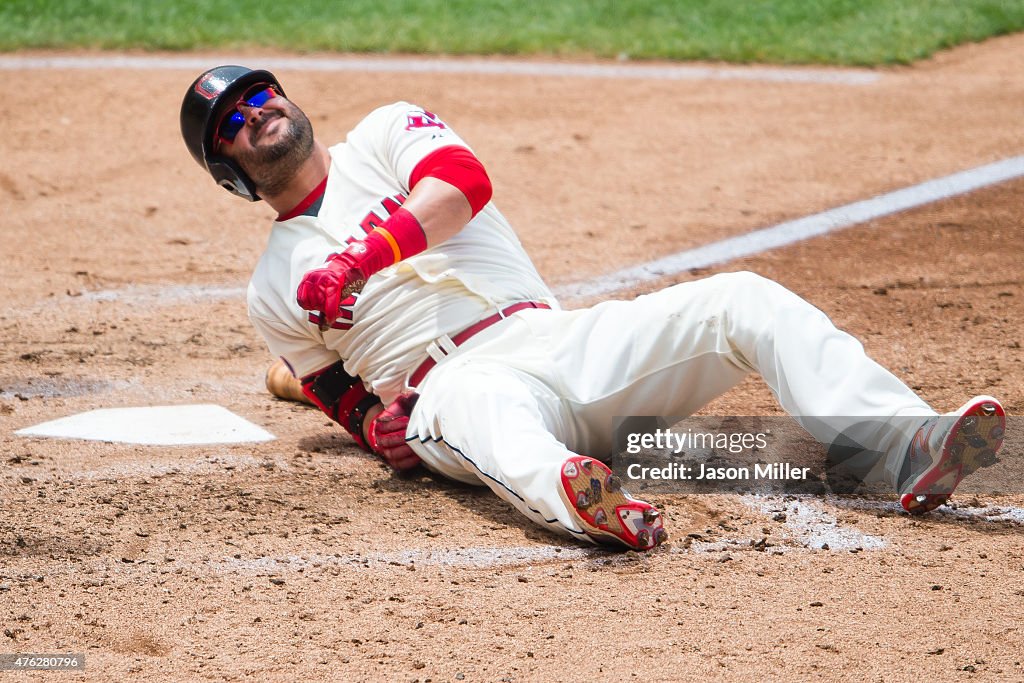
(232, 178)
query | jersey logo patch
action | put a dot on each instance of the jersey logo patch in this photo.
(209, 86)
(424, 119)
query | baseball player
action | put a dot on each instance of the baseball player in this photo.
(401, 299)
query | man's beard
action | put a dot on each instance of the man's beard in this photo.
(273, 166)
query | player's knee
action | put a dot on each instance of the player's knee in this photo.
(744, 286)
(752, 296)
(723, 293)
(745, 280)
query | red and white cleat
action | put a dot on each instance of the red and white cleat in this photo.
(946, 449)
(603, 508)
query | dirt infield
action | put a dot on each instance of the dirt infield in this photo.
(303, 558)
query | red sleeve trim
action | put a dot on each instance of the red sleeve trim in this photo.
(301, 207)
(456, 166)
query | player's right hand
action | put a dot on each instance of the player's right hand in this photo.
(386, 435)
(323, 289)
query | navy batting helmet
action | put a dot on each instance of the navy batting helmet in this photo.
(208, 99)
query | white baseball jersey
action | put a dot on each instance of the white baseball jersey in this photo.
(384, 333)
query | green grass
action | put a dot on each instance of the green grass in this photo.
(855, 32)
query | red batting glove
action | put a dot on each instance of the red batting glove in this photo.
(325, 288)
(387, 433)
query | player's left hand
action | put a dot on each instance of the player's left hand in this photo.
(323, 289)
(387, 433)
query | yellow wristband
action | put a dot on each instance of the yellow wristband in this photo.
(383, 232)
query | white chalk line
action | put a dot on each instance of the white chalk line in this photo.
(148, 468)
(163, 294)
(808, 527)
(994, 513)
(450, 65)
(807, 522)
(716, 253)
(811, 526)
(765, 239)
(139, 295)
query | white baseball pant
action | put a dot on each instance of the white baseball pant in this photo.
(509, 406)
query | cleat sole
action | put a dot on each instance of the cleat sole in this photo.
(605, 511)
(972, 444)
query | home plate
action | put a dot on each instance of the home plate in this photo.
(154, 426)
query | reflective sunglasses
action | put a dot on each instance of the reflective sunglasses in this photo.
(234, 120)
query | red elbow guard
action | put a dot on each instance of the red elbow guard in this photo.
(458, 167)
